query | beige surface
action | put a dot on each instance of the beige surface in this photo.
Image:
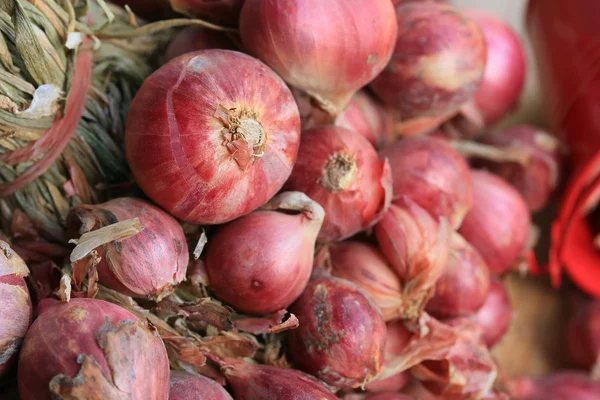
(534, 344)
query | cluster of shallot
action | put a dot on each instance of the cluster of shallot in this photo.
(311, 218)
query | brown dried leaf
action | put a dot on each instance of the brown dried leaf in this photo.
(64, 289)
(209, 311)
(10, 262)
(90, 383)
(231, 345)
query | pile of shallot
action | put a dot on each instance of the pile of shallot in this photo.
(323, 208)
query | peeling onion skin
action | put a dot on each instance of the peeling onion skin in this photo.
(121, 354)
(431, 173)
(194, 38)
(365, 266)
(583, 336)
(15, 306)
(559, 386)
(504, 76)
(498, 224)
(340, 170)
(295, 39)
(149, 264)
(341, 337)
(438, 61)
(397, 338)
(261, 263)
(225, 12)
(537, 180)
(184, 386)
(464, 286)
(495, 315)
(181, 138)
(253, 381)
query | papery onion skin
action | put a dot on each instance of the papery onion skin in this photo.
(341, 170)
(365, 266)
(504, 76)
(117, 351)
(583, 336)
(538, 178)
(368, 117)
(194, 38)
(184, 386)
(225, 12)
(149, 264)
(438, 61)
(397, 337)
(495, 315)
(261, 263)
(417, 247)
(212, 135)
(341, 337)
(464, 286)
(251, 381)
(498, 225)
(15, 306)
(432, 174)
(559, 386)
(295, 38)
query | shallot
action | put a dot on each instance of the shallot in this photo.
(504, 76)
(15, 306)
(341, 171)
(369, 118)
(212, 135)
(195, 38)
(536, 176)
(341, 337)
(498, 225)
(88, 349)
(296, 39)
(261, 263)
(417, 247)
(195, 387)
(251, 381)
(365, 266)
(583, 337)
(464, 286)
(559, 386)
(149, 264)
(397, 337)
(438, 61)
(495, 315)
(432, 174)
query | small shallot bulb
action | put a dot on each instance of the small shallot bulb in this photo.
(504, 75)
(438, 61)
(417, 247)
(191, 387)
(465, 284)
(212, 135)
(15, 306)
(537, 176)
(341, 170)
(495, 315)
(297, 39)
(498, 225)
(431, 173)
(261, 263)
(397, 338)
(369, 118)
(195, 38)
(365, 266)
(225, 12)
(341, 337)
(583, 337)
(91, 349)
(559, 386)
(252, 382)
(148, 264)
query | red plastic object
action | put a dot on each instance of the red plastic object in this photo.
(566, 39)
